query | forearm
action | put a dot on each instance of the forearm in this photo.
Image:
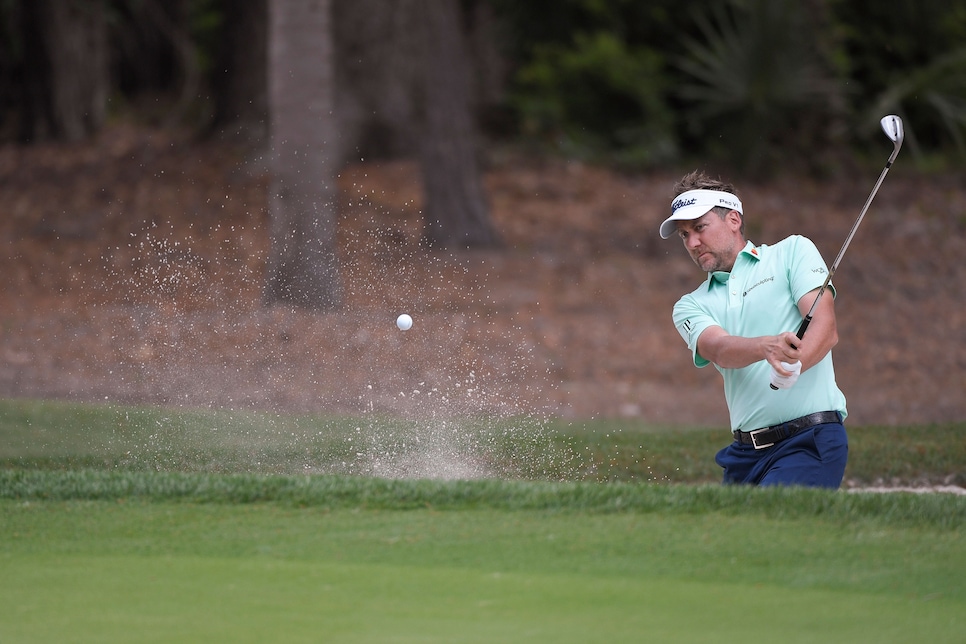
(735, 352)
(821, 337)
(822, 334)
(730, 351)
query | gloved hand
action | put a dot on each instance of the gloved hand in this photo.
(786, 382)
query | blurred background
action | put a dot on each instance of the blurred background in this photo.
(226, 203)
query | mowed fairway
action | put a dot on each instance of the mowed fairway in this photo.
(148, 570)
(159, 525)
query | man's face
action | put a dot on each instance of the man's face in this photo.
(712, 242)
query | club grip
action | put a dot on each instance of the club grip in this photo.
(799, 334)
(804, 326)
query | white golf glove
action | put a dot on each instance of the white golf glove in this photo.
(786, 382)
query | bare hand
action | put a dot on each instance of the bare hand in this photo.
(784, 347)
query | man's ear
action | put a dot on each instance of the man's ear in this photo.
(734, 217)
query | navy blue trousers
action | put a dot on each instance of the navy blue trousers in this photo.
(814, 457)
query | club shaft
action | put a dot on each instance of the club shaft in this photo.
(848, 240)
(897, 140)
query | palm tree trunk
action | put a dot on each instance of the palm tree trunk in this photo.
(456, 213)
(302, 267)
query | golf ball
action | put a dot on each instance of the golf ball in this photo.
(404, 322)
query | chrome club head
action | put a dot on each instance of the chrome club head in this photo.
(892, 126)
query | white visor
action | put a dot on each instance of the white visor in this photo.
(696, 203)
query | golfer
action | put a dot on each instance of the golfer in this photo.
(740, 319)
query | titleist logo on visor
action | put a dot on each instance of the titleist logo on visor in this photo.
(695, 203)
(680, 203)
(706, 200)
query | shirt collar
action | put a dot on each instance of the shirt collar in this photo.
(750, 251)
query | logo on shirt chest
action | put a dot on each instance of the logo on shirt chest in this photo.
(757, 284)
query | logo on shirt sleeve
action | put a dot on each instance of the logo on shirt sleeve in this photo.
(688, 327)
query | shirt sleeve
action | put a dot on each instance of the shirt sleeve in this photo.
(806, 268)
(691, 320)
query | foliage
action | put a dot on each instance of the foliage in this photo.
(656, 24)
(939, 86)
(759, 83)
(590, 77)
(908, 57)
(11, 52)
(748, 82)
(598, 95)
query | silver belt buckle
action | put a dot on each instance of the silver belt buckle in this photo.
(754, 438)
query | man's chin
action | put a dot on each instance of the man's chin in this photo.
(708, 265)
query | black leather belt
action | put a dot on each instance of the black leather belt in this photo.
(768, 436)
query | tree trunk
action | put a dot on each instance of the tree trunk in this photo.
(302, 265)
(456, 213)
(66, 69)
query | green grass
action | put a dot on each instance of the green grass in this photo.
(342, 492)
(42, 434)
(126, 524)
(185, 571)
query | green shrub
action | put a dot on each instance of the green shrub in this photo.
(597, 95)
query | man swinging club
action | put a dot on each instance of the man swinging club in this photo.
(738, 319)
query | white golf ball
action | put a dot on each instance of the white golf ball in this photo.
(404, 322)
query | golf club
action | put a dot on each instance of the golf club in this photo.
(892, 126)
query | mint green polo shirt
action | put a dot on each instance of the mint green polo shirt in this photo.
(760, 297)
